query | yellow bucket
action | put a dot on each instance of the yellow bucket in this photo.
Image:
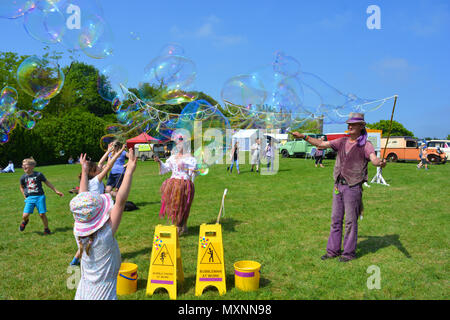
(246, 275)
(127, 278)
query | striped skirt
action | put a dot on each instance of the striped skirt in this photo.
(176, 200)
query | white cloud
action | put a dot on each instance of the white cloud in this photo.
(208, 31)
(394, 68)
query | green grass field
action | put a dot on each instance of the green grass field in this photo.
(281, 221)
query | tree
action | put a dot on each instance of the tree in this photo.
(448, 137)
(79, 92)
(397, 128)
(54, 139)
(9, 63)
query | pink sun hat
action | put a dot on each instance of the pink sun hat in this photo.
(90, 211)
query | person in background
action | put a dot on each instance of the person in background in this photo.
(234, 157)
(31, 188)
(116, 176)
(9, 168)
(269, 153)
(255, 149)
(423, 158)
(350, 172)
(318, 156)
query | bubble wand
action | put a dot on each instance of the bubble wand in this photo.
(390, 127)
(222, 206)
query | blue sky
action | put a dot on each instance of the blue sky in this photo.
(408, 56)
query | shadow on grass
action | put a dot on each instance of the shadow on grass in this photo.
(146, 203)
(228, 224)
(372, 244)
(189, 283)
(56, 230)
(129, 255)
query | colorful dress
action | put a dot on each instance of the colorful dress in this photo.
(177, 192)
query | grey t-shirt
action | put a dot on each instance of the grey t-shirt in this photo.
(32, 183)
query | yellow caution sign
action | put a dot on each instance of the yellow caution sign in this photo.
(210, 263)
(165, 261)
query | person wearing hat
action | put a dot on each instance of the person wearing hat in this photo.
(177, 192)
(350, 172)
(97, 219)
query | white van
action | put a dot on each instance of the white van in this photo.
(444, 145)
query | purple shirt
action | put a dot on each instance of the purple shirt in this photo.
(368, 147)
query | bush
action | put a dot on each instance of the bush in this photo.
(55, 139)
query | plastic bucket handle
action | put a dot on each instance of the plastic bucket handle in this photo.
(129, 278)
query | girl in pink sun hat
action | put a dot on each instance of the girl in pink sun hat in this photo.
(97, 219)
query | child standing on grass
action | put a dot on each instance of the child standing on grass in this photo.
(31, 188)
(423, 159)
(96, 174)
(97, 219)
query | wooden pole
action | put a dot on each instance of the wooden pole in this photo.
(221, 206)
(390, 128)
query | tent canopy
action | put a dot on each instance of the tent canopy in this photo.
(142, 138)
(245, 133)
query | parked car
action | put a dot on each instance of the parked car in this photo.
(144, 151)
(301, 148)
(407, 149)
(444, 145)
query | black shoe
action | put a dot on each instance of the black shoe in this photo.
(228, 169)
(47, 231)
(326, 256)
(23, 225)
(344, 259)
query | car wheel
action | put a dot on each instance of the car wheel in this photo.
(392, 157)
(285, 153)
(433, 158)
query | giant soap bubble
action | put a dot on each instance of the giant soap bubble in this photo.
(283, 95)
(45, 25)
(8, 99)
(40, 78)
(173, 74)
(12, 9)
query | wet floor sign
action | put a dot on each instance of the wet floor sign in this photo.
(165, 261)
(210, 263)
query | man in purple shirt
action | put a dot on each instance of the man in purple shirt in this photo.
(350, 172)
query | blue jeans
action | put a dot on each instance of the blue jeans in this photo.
(237, 165)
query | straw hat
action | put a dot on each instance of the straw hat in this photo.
(90, 211)
(356, 117)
